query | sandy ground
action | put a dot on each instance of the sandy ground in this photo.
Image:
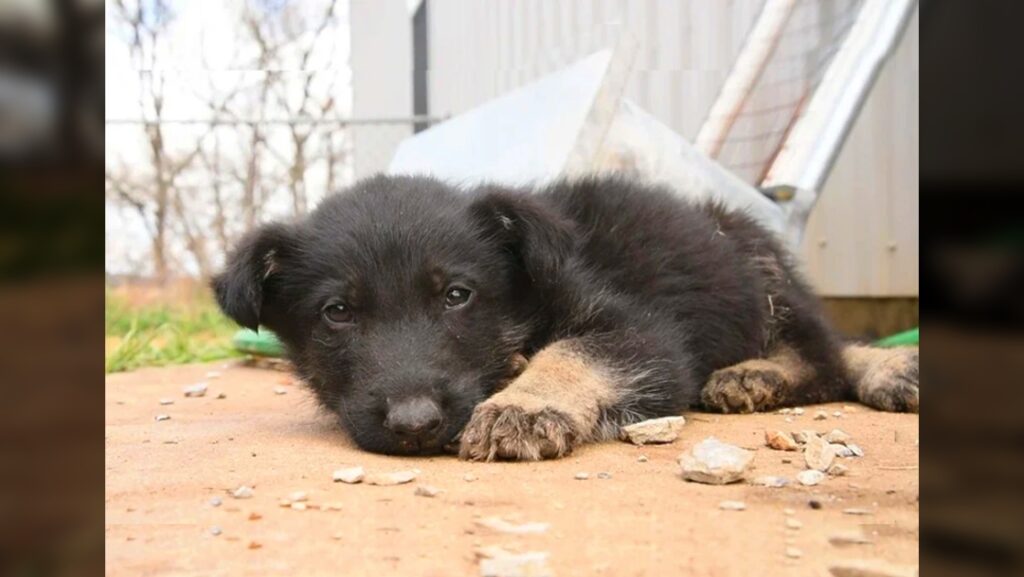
(644, 520)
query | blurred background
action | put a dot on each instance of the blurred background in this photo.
(220, 116)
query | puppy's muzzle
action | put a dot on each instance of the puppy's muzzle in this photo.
(416, 421)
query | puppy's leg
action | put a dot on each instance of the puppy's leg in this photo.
(886, 379)
(759, 384)
(553, 406)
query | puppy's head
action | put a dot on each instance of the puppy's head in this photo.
(403, 303)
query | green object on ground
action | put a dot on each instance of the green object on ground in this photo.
(911, 337)
(263, 343)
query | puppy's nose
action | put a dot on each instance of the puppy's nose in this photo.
(417, 416)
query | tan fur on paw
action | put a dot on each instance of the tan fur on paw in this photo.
(744, 388)
(500, 431)
(892, 383)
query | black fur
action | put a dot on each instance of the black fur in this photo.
(663, 291)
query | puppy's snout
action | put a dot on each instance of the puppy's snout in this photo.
(415, 417)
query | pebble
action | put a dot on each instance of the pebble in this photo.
(771, 481)
(298, 497)
(530, 564)
(844, 451)
(870, 568)
(338, 536)
(837, 470)
(215, 530)
(780, 441)
(785, 411)
(284, 503)
(254, 516)
(820, 416)
(255, 545)
(857, 451)
(663, 430)
(819, 453)
(388, 479)
(196, 390)
(732, 506)
(502, 526)
(802, 436)
(332, 507)
(714, 462)
(789, 511)
(837, 414)
(469, 477)
(788, 419)
(221, 396)
(213, 375)
(856, 511)
(298, 506)
(215, 502)
(642, 458)
(814, 504)
(243, 492)
(166, 401)
(163, 417)
(603, 475)
(792, 523)
(581, 476)
(810, 477)
(844, 539)
(837, 436)
(280, 391)
(426, 491)
(798, 411)
(349, 475)
(793, 553)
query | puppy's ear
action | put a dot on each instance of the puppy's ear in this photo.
(241, 288)
(540, 238)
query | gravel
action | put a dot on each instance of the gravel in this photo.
(810, 477)
(581, 476)
(427, 491)
(350, 475)
(162, 418)
(502, 526)
(732, 506)
(242, 492)
(196, 390)
(389, 479)
(654, 431)
(780, 441)
(714, 462)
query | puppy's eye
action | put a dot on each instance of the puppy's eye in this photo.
(457, 297)
(337, 314)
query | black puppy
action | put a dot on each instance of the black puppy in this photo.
(410, 308)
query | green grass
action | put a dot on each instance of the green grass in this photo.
(160, 334)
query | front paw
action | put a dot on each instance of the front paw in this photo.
(509, 431)
(893, 384)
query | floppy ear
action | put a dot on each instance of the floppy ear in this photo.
(241, 288)
(540, 238)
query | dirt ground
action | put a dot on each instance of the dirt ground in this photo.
(643, 520)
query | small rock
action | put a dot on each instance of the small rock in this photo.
(793, 553)
(837, 436)
(663, 430)
(802, 436)
(798, 411)
(196, 390)
(166, 401)
(810, 477)
(844, 451)
(215, 502)
(243, 492)
(254, 516)
(213, 374)
(255, 545)
(786, 460)
(502, 526)
(221, 396)
(642, 458)
(789, 511)
(349, 475)
(819, 454)
(531, 564)
(837, 470)
(298, 506)
(163, 417)
(714, 462)
(732, 506)
(780, 441)
(215, 530)
(332, 507)
(870, 568)
(856, 511)
(426, 491)
(284, 503)
(792, 523)
(820, 416)
(837, 414)
(581, 476)
(814, 504)
(469, 477)
(844, 539)
(604, 475)
(857, 451)
(788, 419)
(280, 391)
(770, 481)
(785, 411)
(388, 479)
(338, 536)
(298, 497)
